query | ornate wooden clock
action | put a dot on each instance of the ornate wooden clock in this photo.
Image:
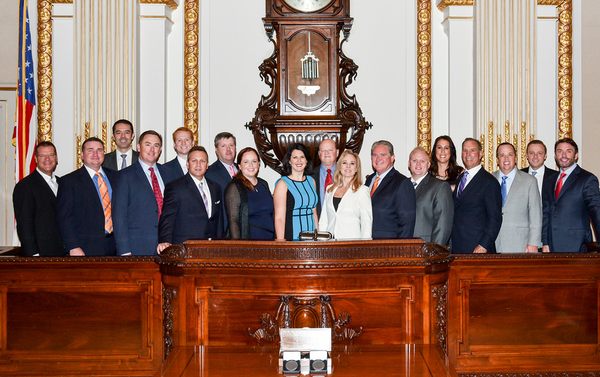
(308, 74)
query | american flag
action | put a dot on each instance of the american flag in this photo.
(25, 128)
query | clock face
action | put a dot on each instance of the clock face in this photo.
(307, 5)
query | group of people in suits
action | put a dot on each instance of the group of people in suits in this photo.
(126, 203)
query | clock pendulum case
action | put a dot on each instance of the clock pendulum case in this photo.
(308, 74)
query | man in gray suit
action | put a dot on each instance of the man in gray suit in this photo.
(521, 229)
(435, 206)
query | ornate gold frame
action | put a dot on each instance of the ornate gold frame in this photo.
(424, 79)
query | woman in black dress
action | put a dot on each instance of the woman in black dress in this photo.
(443, 161)
(248, 201)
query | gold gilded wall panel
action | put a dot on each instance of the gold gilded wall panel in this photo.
(190, 59)
(424, 74)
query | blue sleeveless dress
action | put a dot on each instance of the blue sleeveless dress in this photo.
(301, 199)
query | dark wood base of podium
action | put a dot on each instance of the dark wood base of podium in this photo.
(492, 315)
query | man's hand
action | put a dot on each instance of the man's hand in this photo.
(545, 249)
(531, 249)
(76, 252)
(161, 246)
(479, 250)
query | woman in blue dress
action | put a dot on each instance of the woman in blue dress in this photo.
(295, 196)
(248, 201)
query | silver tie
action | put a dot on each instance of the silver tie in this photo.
(204, 198)
(124, 161)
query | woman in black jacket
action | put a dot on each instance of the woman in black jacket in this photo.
(248, 201)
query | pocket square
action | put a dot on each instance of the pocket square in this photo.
(217, 202)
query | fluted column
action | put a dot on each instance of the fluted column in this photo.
(106, 66)
(505, 75)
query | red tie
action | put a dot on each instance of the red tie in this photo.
(328, 179)
(559, 185)
(156, 189)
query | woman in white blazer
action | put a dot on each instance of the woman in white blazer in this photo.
(347, 212)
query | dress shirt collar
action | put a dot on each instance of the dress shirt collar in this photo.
(92, 172)
(418, 180)
(50, 180)
(183, 163)
(228, 167)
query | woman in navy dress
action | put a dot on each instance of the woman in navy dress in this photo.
(248, 201)
(295, 196)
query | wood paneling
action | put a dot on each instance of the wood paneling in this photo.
(80, 316)
(526, 313)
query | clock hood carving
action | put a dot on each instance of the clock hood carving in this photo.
(308, 74)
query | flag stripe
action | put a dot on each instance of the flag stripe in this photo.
(26, 131)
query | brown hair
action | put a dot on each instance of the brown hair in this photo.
(239, 176)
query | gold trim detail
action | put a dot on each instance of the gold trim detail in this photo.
(190, 79)
(490, 144)
(548, 2)
(524, 141)
(44, 70)
(80, 140)
(62, 1)
(170, 3)
(105, 135)
(565, 72)
(424, 74)
(443, 4)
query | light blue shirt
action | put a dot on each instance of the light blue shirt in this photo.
(509, 180)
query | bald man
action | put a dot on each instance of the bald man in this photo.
(328, 154)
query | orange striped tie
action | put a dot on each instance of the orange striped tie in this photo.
(108, 224)
(374, 187)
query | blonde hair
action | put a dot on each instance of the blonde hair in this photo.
(337, 177)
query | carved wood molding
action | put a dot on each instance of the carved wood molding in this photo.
(319, 311)
(169, 294)
(440, 294)
(323, 255)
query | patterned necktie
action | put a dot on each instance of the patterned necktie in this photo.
(231, 171)
(414, 185)
(156, 189)
(204, 198)
(106, 205)
(123, 161)
(559, 185)
(534, 173)
(328, 178)
(375, 185)
(462, 184)
(504, 189)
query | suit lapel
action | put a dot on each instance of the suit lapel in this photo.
(422, 186)
(385, 182)
(41, 182)
(570, 181)
(195, 193)
(214, 198)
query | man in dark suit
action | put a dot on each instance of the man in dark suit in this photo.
(34, 203)
(222, 170)
(323, 175)
(138, 199)
(183, 139)
(124, 155)
(546, 177)
(574, 204)
(477, 205)
(392, 195)
(435, 208)
(192, 208)
(84, 204)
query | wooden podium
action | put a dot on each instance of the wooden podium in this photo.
(369, 292)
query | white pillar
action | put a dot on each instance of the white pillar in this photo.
(155, 26)
(458, 24)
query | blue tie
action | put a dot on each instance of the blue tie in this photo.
(504, 190)
(462, 183)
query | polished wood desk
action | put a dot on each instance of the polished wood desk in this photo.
(240, 292)
(352, 361)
